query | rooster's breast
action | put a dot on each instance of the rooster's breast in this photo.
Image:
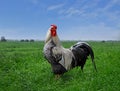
(47, 50)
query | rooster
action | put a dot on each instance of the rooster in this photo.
(62, 59)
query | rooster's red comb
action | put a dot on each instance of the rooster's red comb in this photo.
(54, 26)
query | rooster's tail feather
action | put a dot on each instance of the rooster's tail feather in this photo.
(83, 49)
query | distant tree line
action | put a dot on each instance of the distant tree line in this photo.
(26, 40)
(3, 39)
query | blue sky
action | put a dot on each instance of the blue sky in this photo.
(76, 19)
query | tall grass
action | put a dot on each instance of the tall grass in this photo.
(23, 68)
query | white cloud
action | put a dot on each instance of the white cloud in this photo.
(22, 33)
(72, 11)
(91, 32)
(54, 7)
(80, 8)
(111, 3)
(90, 9)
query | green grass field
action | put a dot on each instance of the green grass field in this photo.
(23, 68)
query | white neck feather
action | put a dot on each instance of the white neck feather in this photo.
(56, 40)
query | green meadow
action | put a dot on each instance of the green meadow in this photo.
(23, 68)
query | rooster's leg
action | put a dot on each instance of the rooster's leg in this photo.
(57, 76)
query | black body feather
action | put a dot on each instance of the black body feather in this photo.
(57, 68)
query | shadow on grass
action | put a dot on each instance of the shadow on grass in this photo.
(72, 75)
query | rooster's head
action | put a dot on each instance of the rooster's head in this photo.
(51, 32)
(53, 29)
